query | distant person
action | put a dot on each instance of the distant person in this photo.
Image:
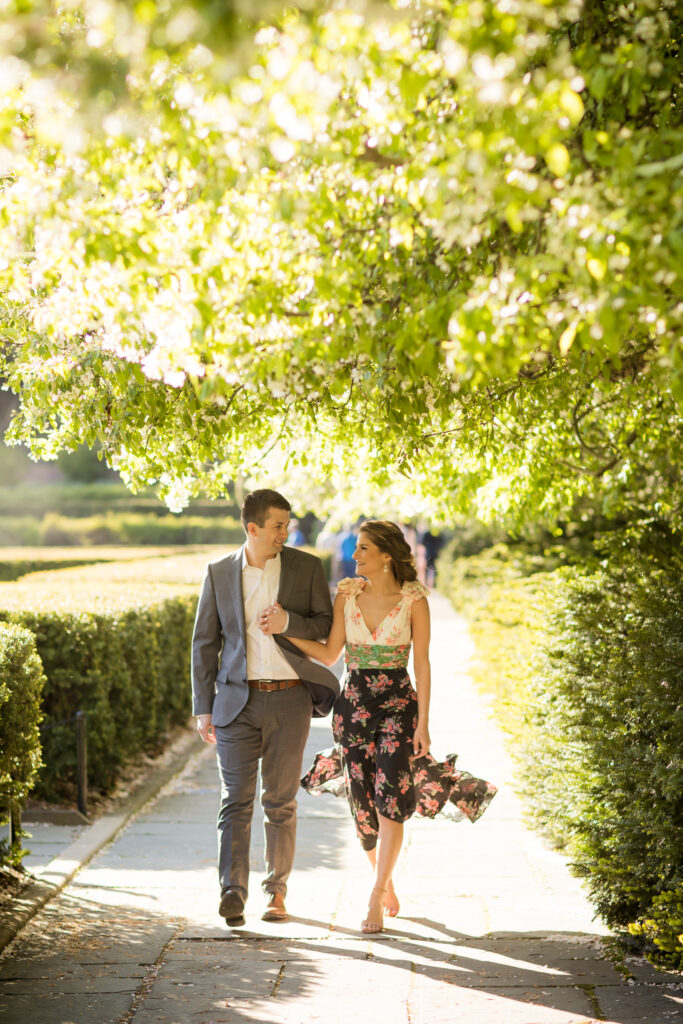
(430, 544)
(382, 762)
(253, 694)
(326, 542)
(295, 538)
(346, 548)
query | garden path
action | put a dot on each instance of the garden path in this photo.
(493, 927)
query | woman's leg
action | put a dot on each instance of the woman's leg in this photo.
(391, 902)
(388, 849)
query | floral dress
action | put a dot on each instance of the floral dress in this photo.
(373, 723)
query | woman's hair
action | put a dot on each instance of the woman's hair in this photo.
(389, 539)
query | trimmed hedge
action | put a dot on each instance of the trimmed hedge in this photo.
(615, 669)
(119, 528)
(468, 580)
(16, 562)
(21, 683)
(114, 641)
(90, 499)
(22, 561)
(587, 669)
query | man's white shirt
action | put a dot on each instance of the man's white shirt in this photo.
(259, 589)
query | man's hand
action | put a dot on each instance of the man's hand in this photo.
(273, 619)
(205, 728)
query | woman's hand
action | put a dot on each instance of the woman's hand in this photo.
(273, 619)
(421, 740)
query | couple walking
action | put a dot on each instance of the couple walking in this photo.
(264, 613)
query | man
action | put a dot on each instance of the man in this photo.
(296, 538)
(254, 692)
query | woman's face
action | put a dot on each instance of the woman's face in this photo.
(368, 558)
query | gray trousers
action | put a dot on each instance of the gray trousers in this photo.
(271, 729)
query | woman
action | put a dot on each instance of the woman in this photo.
(380, 723)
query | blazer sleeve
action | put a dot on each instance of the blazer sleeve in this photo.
(318, 623)
(206, 648)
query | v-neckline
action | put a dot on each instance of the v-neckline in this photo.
(382, 621)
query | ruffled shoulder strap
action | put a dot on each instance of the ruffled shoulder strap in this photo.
(414, 590)
(350, 585)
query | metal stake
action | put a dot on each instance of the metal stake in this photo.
(82, 762)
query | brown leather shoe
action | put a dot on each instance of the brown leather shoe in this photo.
(275, 911)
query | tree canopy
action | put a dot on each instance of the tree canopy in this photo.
(429, 241)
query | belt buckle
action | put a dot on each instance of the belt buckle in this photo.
(266, 681)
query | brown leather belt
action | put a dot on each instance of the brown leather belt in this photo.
(273, 684)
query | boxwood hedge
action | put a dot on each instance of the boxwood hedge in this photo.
(586, 664)
(21, 683)
(114, 641)
(19, 561)
(54, 529)
(88, 499)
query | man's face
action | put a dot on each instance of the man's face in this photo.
(272, 536)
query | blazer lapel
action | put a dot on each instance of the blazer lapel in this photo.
(288, 574)
(235, 589)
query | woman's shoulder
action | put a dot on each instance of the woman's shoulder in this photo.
(414, 590)
(350, 585)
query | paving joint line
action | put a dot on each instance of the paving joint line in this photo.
(278, 980)
(151, 974)
(592, 997)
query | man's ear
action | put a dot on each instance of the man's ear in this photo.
(252, 530)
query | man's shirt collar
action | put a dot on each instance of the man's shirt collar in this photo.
(271, 567)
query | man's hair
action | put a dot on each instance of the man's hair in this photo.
(256, 505)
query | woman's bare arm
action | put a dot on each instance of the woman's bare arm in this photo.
(423, 674)
(328, 652)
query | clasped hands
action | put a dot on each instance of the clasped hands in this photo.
(273, 619)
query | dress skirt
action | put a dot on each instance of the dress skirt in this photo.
(373, 766)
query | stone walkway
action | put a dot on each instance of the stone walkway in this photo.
(493, 928)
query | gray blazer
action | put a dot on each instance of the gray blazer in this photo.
(219, 642)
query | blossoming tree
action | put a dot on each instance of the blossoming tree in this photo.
(429, 241)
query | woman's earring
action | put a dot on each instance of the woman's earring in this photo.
(386, 567)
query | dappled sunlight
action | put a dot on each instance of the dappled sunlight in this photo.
(490, 976)
(492, 927)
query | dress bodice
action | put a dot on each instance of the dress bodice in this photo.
(388, 645)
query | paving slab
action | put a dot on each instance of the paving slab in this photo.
(45, 1007)
(637, 1004)
(45, 841)
(639, 970)
(513, 1005)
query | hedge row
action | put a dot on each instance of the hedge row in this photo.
(587, 668)
(119, 528)
(21, 682)
(114, 641)
(89, 499)
(16, 562)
